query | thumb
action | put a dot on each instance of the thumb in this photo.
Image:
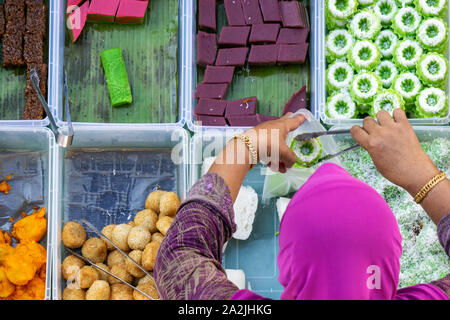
(287, 156)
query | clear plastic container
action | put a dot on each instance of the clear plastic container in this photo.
(27, 153)
(105, 176)
(59, 30)
(190, 67)
(319, 104)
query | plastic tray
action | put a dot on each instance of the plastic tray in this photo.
(319, 104)
(28, 153)
(190, 67)
(96, 110)
(105, 176)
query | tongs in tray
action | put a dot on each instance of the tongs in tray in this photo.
(101, 235)
(313, 135)
(64, 140)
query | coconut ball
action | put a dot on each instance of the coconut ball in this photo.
(146, 218)
(73, 294)
(95, 250)
(114, 257)
(70, 266)
(73, 235)
(86, 277)
(138, 238)
(121, 291)
(149, 289)
(131, 224)
(149, 255)
(169, 204)
(132, 269)
(120, 236)
(99, 290)
(153, 200)
(163, 224)
(157, 237)
(102, 275)
(107, 232)
(120, 270)
(147, 279)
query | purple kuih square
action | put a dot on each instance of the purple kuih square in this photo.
(266, 54)
(270, 10)
(243, 121)
(293, 35)
(296, 102)
(207, 14)
(211, 121)
(211, 90)
(211, 107)
(293, 14)
(235, 14)
(262, 33)
(216, 74)
(292, 53)
(263, 118)
(232, 57)
(206, 48)
(234, 36)
(241, 107)
(252, 12)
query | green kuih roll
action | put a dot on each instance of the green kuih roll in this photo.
(116, 77)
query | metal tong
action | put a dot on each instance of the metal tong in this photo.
(101, 235)
(64, 140)
(313, 135)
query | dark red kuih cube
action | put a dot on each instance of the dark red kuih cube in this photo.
(232, 57)
(211, 107)
(252, 12)
(234, 36)
(266, 54)
(217, 74)
(235, 13)
(211, 121)
(206, 48)
(270, 10)
(263, 118)
(292, 53)
(241, 107)
(296, 102)
(207, 14)
(293, 35)
(262, 33)
(293, 14)
(243, 121)
(211, 90)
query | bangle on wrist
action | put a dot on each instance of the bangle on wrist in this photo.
(251, 148)
(429, 186)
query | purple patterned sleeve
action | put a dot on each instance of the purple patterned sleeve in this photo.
(443, 230)
(188, 265)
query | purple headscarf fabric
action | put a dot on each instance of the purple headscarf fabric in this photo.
(340, 240)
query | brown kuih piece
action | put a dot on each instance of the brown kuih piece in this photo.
(15, 26)
(33, 51)
(36, 18)
(14, 9)
(234, 12)
(292, 53)
(33, 107)
(293, 35)
(12, 50)
(252, 12)
(41, 69)
(206, 48)
(2, 19)
(270, 10)
(207, 14)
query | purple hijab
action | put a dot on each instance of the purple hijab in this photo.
(340, 240)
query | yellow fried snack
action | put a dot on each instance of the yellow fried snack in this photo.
(6, 287)
(31, 227)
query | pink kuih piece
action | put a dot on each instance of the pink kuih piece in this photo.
(77, 20)
(297, 101)
(207, 14)
(103, 10)
(232, 57)
(234, 12)
(293, 35)
(217, 74)
(266, 54)
(132, 11)
(252, 12)
(234, 36)
(293, 14)
(206, 48)
(211, 90)
(270, 10)
(242, 107)
(292, 53)
(212, 121)
(262, 33)
(211, 107)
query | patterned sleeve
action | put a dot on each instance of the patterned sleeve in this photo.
(443, 230)
(188, 265)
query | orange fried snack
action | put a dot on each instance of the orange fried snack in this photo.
(31, 227)
(4, 187)
(20, 268)
(6, 287)
(33, 290)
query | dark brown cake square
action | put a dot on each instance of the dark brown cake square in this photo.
(15, 26)
(42, 73)
(33, 50)
(36, 21)
(14, 9)
(2, 19)
(12, 50)
(33, 107)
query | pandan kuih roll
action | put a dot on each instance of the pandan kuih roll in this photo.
(431, 8)
(365, 87)
(407, 54)
(408, 86)
(432, 34)
(406, 21)
(339, 42)
(365, 25)
(387, 71)
(386, 42)
(339, 76)
(308, 152)
(385, 10)
(364, 55)
(431, 103)
(341, 106)
(341, 9)
(387, 100)
(432, 69)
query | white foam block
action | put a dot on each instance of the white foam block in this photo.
(237, 277)
(282, 204)
(244, 212)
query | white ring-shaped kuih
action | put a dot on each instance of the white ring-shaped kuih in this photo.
(339, 66)
(431, 10)
(360, 63)
(404, 28)
(339, 34)
(400, 50)
(438, 39)
(408, 76)
(424, 96)
(386, 95)
(387, 64)
(382, 40)
(342, 14)
(372, 22)
(424, 64)
(374, 86)
(341, 97)
(380, 10)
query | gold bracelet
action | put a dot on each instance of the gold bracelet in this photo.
(430, 185)
(251, 148)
